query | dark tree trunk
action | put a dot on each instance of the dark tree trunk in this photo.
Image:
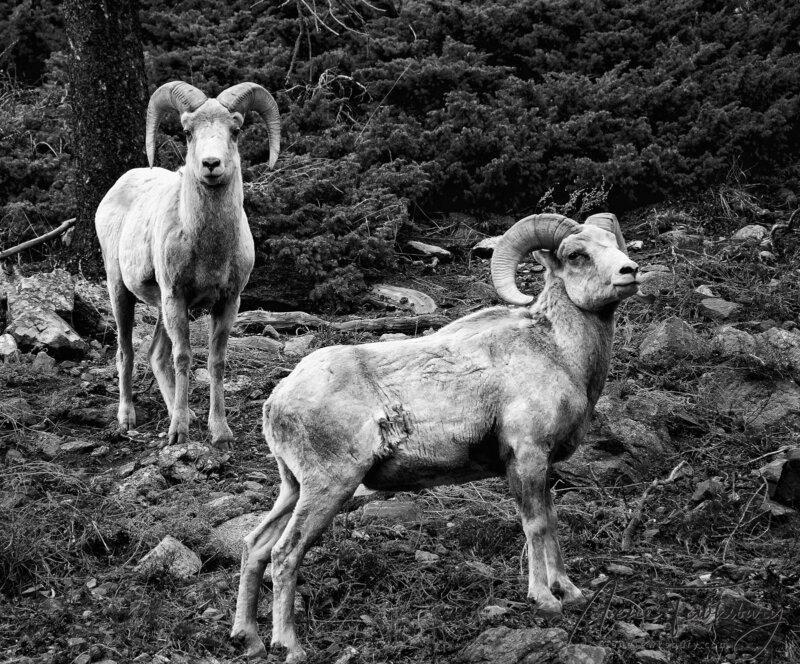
(108, 97)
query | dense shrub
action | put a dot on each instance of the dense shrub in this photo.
(447, 106)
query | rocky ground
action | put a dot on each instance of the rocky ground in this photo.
(678, 514)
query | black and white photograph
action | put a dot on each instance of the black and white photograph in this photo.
(399, 332)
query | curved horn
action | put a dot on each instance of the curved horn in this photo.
(252, 97)
(608, 222)
(539, 231)
(176, 95)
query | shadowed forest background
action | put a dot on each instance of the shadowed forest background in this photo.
(418, 110)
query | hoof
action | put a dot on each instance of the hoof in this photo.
(252, 645)
(126, 416)
(282, 652)
(569, 593)
(546, 606)
(222, 444)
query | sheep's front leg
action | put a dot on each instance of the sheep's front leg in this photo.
(527, 478)
(557, 573)
(222, 316)
(175, 313)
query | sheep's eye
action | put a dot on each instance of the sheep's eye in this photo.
(575, 255)
(187, 133)
(235, 132)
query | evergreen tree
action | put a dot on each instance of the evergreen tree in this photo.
(108, 97)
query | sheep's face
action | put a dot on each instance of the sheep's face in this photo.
(212, 153)
(594, 271)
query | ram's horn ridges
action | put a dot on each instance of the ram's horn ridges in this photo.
(538, 231)
(245, 97)
(609, 222)
(175, 95)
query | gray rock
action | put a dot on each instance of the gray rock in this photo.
(751, 234)
(651, 657)
(671, 339)
(719, 309)
(201, 375)
(629, 631)
(628, 438)
(706, 490)
(46, 444)
(758, 403)
(485, 248)
(170, 557)
(54, 290)
(189, 462)
(8, 347)
(580, 653)
(429, 250)
(656, 284)
(780, 348)
(78, 446)
(493, 611)
(146, 483)
(635, 245)
(299, 346)
(404, 298)
(397, 511)
(393, 336)
(425, 557)
(730, 342)
(259, 344)
(619, 570)
(43, 362)
(227, 539)
(704, 291)
(15, 411)
(504, 645)
(681, 240)
(35, 327)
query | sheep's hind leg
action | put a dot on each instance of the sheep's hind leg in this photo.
(556, 572)
(161, 362)
(256, 552)
(123, 304)
(527, 477)
(175, 315)
(222, 316)
(319, 502)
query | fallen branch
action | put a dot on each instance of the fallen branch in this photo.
(636, 519)
(63, 228)
(393, 323)
(248, 322)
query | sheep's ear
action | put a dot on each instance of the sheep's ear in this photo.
(546, 258)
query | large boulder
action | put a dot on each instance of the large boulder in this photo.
(170, 557)
(534, 645)
(227, 539)
(628, 438)
(756, 402)
(36, 307)
(670, 340)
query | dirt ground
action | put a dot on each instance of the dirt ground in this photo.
(71, 534)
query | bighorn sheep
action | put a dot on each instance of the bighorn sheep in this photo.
(501, 391)
(179, 239)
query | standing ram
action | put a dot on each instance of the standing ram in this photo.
(180, 239)
(499, 392)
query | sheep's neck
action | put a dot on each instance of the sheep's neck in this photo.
(584, 337)
(211, 216)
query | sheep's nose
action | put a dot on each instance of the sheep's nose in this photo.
(211, 164)
(629, 268)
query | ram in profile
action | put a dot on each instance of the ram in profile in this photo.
(178, 239)
(504, 391)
